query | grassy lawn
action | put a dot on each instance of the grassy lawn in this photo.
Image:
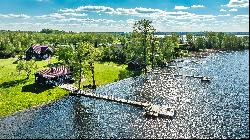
(105, 73)
(18, 93)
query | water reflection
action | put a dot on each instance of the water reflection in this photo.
(218, 109)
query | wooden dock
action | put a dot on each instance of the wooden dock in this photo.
(89, 93)
(178, 75)
(155, 110)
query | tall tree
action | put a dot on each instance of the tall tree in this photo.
(190, 38)
(144, 28)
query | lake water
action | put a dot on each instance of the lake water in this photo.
(219, 109)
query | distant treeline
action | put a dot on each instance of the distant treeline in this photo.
(121, 48)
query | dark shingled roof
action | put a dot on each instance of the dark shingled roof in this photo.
(38, 48)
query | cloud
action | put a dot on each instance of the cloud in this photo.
(233, 10)
(237, 3)
(14, 16)
(241, 16)
(197, 6)
(123, 11)
(227, 15)
(147, 10)
(67, 10)
(138, 11)
(89, 9)
(74, 14)
(51, 16)
(223, 10)
(177, 13)
(61, 15)
(85, 20)
(185, 8)
(181, 8)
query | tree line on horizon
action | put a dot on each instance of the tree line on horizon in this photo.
(14, 43)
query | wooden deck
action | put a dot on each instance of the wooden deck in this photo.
(178, 75)
(88, 93)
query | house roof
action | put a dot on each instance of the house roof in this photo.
(39, 48)
(54, 71)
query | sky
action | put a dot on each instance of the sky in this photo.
(120, 15)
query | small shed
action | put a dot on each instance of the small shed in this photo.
(53, 76)
(39, 52)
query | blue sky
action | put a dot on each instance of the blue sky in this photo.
(120, 15)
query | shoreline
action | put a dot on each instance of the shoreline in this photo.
(34, 107)
(204, 53)
(193, 54)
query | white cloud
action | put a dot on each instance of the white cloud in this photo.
(177, 13)
(181, 8)
(227, 15)
(14, 16)
(238, 3)
(233, 10)
(61, 15)
(241, 16)
(223, 10)
(74, 14)
(138, 11)
(147, 10)
(85, 20)
(89, 9)
(67, 10)
(197, 6)
(141, 12)
(130, 21)
(123, 11)
(51, 16)
(94, 8)
(179, 20)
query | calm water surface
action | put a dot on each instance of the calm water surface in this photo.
(219, 109)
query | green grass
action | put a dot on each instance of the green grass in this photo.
(18, 93)
(106, 73)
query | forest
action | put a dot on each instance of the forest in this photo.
(140, 46)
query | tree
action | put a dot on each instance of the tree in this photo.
(94, 56)
(200, 43)
(26, 66)
(144, 29)
(190, 38)
(65, 53)
(82, 60)
(221, 37)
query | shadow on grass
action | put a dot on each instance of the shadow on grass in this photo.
(128, 73)
(12, 83)
(36, 88)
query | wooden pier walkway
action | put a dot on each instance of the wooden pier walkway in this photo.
(180, 75)
(89, 93)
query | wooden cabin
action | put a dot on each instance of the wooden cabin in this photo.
(38, 52)
(53, 76)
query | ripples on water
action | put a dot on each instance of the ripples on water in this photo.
(218, 109)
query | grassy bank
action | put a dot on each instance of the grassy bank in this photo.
(18, 93)
(105, 73)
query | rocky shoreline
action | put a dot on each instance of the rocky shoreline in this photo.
(204, 53)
